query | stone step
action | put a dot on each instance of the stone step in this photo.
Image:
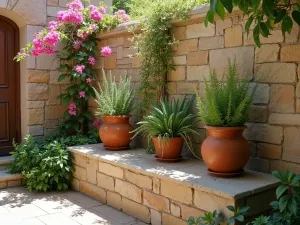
(9, 180)
(5, 161)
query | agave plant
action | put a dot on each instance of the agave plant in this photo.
(113, 99)
(168, 119)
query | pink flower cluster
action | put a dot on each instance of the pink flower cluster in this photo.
(82, 94)
(122, 16)
(73, 14)
(106, 51)
(51, 39)
(97, 123)
(88, 80)
(45, 44)
(79, 68)
(77, 44)
(72, 109)
(96, 15)
(76, 5)
(92, 60)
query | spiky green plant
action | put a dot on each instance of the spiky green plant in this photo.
(227, 103)
(168, 119)
(113, 99)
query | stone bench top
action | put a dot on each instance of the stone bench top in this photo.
(190, 172)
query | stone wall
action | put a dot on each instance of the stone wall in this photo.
(274, 126)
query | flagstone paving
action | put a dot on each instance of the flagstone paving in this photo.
(18, 206)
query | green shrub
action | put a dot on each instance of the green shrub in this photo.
(115, 99)
(227, 102)
(169, 119)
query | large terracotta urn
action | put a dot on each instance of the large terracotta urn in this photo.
(115, 132)
(168, 149)
(225, 150)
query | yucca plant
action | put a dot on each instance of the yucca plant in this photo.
(168, 119)
(114, 99)
(228, 102)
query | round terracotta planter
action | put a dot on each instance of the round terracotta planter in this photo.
(115, 132)
(170, 150)
(225, 150)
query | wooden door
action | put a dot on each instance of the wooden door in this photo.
(9, 86)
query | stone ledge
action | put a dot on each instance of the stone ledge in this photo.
(190, 172)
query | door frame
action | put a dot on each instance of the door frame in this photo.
(17, 78)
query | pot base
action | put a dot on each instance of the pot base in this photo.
(234, 174)
(167, 160)
(116, 148)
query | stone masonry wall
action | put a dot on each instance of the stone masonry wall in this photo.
(274, 127)
(153, 199)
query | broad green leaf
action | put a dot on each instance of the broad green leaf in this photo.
(248, 23)
(240, 218)
(264, 29)
(287, 25)
(62, 77)
(255, 5)
(279, 176)
(267, 7)
(228, 5)
(283, 202)
(256, 33)
(280, 190)
(279, 15)
(231, 208)
(296, 17)
(213, 4)
(292, 206)
(220, 9)
(209, 18)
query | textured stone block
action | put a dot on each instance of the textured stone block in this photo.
(105, 182)
(290, 53)
(261, 94)
(137, 210)
(55, 112)
(291, 144)
(222, 24)
(267, 53)
(37, 76)
(156, 185)
(47, 62)
(175, 210)
(285, 119)
(187, 88)
(114, 200)
(282, 98)
(54, 75)
(93, 191)
(140, 180)
(187, 211)
(156, 202)
(179, 60)
(179, 33)
(54, 91)
(91, 170)
(37, 91)
(75, 184)
(186, 46)
(35, 116)
(233, 36)
(170, 190)
(37, 130)
(211, 43)
(197, 58)
(128, 190)
(110, 62)
(35, 104)
(155, 217)
(199, 30)
(259, 114)
(269, 151)
(197, 73)
(79, 173)
(110, 170)
(79, 160)
(168, 219)
(177, 74)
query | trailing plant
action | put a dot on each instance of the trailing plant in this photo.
(227, 102)
(285, 208)
(76, 29)
(113, 99)
(168, 119)
(154, 46)
(264, 14)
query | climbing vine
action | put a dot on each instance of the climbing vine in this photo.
(76, 29)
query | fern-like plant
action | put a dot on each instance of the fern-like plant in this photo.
(227, 103)
(168, 119)
(114, 99)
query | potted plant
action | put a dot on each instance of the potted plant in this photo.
(225, 110)
(169, 125)
(115, 102)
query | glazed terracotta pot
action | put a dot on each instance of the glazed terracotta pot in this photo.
(115, 132)
(170, 149)
(225, 150)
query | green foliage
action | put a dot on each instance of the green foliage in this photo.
(121, 4)
(155, 45)
(115, 99)
(227, 103)
(169, 119)
(264, 14)
(47, 165)
(285, 209)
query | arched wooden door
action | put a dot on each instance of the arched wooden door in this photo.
(9, 86)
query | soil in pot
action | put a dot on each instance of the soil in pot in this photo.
(115, 132)
(169, 149)
(225, 150)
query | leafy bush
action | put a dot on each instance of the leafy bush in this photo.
(115, 99)
(47, 165)
(169, 119)
(227, 103)
(285, 209)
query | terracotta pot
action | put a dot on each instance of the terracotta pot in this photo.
(170, 149)
(115, 132)
(225, 150)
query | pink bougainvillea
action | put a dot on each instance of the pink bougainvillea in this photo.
(106, 51)
(82, 94)
(92, 60)
(72, 109)
(88, 80)
(97, 123)
(96, 15)
(79, 68)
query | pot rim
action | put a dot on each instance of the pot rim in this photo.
(156, 137)
(225, 128)
(117, 116)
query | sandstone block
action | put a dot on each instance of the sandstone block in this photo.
(80, 173)
(177, 74)
(110, 62)
(269, 151)
(170, 190)
(37, 130)
(264, 133)
(259, 114)
(298, 90)
(156, 202)
(110, 170)
(285, 119)
(120, 52)
(179, 33)
(218, 60)
(136, 62)
(211, 43)
(37, 76)
(35, 116)
(179, 60)
(142, 181)
(186, 46)
(47, 62)
(298, 105)
(294, 36)
(197, 73)
(291, 144)
(273, 72)
(155, 217)
(233, 36)
(124, 61)
(79, 160)
(105, 182)
(128, 190)
(54, 91)
(197, 58)
(52, 10)
(267, 53)
(54, 75)
(187, 211)
(275, 37)
(186, 88)
(35, 104)
(290, 53)
(283, 166)
(91, 170)
(222, 24)
(168, 219)
(260, 202)
(171, 88)
(52, 2)
(14, 183)
(139, 211)
(55, 111)
(37, 91)
(175, 210)
(282, 98)
(199, 30)
(261, 94)
(115, 42)
(156, 185)
(93, 191)
(3, 185)
(75, 184)
(114, 200)
(129, 52)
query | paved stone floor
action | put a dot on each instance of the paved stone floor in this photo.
(18, 206)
